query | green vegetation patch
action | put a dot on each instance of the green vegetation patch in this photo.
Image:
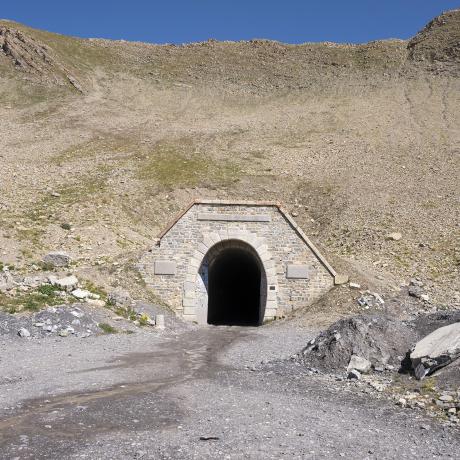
(93, 288)
(107, 328)
(169, 166)
(34, 300)
(22, 94)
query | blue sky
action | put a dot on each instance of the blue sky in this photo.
(179, 21)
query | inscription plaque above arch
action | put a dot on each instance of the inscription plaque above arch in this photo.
(234, 217)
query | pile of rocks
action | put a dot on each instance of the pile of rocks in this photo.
(372, 300)
(449, 403)
(63, 321)
(416, 290)
(66, 317)
(445, 404)
(68, 286)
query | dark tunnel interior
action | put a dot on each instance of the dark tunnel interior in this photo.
(234, 289)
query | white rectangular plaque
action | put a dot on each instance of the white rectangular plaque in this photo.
(234, 217)
(165, 267)
(297, 271)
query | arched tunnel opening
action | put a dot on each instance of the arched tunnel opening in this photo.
(234, 289)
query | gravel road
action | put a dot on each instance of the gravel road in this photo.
(212, 392)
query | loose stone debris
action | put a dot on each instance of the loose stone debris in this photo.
(371, 300)
(380, 346)
(378, 339)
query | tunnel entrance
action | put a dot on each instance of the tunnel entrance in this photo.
(234, 288)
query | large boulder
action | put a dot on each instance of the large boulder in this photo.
(119, 298)
(68, 283)
(6, 281)
(57, 259)
(359, 364)
(436, 350)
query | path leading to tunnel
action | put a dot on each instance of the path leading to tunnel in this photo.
(204, 394)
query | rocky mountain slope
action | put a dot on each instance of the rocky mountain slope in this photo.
(101, 142)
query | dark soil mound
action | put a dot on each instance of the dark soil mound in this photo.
(426, 324)
(380, 339)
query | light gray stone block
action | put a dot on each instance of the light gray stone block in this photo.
(186, 302)
(165, 267)
(189, 310)
(189, 286)
(297, 271)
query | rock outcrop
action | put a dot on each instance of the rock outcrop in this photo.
(436, 350)
(438, 43)
(34, 58)
(57, 259)
(24, 51)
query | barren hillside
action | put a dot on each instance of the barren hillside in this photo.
(102, 142)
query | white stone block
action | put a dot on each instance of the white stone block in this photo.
(297, 271)
(186, 302)
(189, 310)
(165, 267)
(160, 322)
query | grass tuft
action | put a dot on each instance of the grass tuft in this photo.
(34, 300)
(107, 328)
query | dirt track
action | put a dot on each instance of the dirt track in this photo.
(145, 396)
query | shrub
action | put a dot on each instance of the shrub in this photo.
(48, 290)
(32, 304)
(107, 328)
(144, 319)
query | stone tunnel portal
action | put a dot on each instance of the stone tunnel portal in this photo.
(235, 285)
(235, 262)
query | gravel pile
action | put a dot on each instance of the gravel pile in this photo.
(382, 340)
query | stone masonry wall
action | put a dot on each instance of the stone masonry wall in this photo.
(276, 241)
